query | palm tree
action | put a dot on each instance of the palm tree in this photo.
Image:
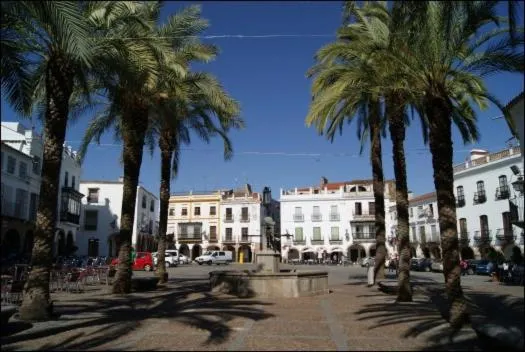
(130, 80)
(174, 118)
(47, 51)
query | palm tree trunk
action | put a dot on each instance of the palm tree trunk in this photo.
(134, 126)
(397, 135)
(379, 189)
(166, 154)
(440, 138)
(36, 303)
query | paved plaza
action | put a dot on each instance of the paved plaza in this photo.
(184, 315)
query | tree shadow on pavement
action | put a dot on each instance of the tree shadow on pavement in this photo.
(426, 317)
(90, 322)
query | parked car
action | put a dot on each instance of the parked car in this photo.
(437, 266)
(482, 267)
(143, 261)
(215, 257)
(183, 259)
(369, 261)
(420, 264)
(471, 266)
(170, 258)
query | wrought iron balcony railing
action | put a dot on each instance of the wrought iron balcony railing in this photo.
(364, 215)
(460, 201)
(363, 236)
(228, 218)
(228, 239)
(505, 235)
(317, 217)
(480, 197)
(502, 192)
(334, 217)
(482, 237)
(298, 217)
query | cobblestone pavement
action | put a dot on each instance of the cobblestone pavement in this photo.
(183, 315)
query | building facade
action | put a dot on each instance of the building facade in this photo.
(101, 217)
(331, 220)
(23, 150)
(219, 220)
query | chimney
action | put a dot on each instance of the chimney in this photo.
(477, 153)
(324, 181)
(410, 195)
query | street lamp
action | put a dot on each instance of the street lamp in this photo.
(518, 185)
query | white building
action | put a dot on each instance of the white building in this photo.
(102, 214)
(483, 186)
(516, 123)
(21, 188)
(333, 220)
(229, 220)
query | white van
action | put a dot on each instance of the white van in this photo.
(171, 257)
(215, 257)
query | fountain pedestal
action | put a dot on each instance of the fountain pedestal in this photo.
(268, 261)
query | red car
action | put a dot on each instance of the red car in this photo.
(143, 261)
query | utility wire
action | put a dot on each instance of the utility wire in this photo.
(225, 36)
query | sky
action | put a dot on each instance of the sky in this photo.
(267, 76)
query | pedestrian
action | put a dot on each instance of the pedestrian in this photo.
(464, 266)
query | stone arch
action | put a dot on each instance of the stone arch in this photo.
(356, 252)
(372, 251)
(184, 250)
(213, 247)
(293, 253)
(435, 251)
(308, 253)
(11, 243)
(246, 251)
(413, 252)
(231, 249)
(28, 242)
(61, 243)
(196, 251)
(426, 252)
(467, 253)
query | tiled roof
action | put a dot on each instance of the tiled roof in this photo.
(423, 197)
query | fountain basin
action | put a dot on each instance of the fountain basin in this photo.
(263, 284)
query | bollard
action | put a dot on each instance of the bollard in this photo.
(370, 275)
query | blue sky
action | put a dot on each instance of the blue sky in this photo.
(267, 77)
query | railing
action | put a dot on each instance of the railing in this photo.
(299, 241)
(482, 237)
(70, 217)
(334, 217)
(213, 238)
(228, 218)
(186, 237)
(92, 200)
(245, 218)
(298, 217)
(505, 235)
(460, 202)
(502, 192)
(336, 240)
(363, 236)
(317, 217)
(488, 158)
(480, 197)
(317, 240)
(363, 215)
(228, 239)
(516, 211)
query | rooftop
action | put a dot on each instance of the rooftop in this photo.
(423, 197)
(469, 164)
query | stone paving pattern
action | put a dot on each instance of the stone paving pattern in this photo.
(184, 315)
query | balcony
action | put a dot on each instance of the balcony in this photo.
(363, 216)
(299, 240)
(335, 217)
(317, 240)
(502, 192)
(504, 236)
(364, 237)
(480, 197)
(213, 238)
(336, 240)
(298, 217)
(464, 238)
(245, 239)
(184, 237)
(228, 239)
(317, 217)
(228, 218)
(460, 201)
(70, 217)
(516, 211)
(245, 218)
(482, 237)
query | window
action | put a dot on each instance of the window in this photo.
(299, 234)
(93, 247)
(502, 181)
(334, 233)
(229, 215)
(333, 209)
(213, 232)
(298, 211)
(463, 227)
(33, 206)
(92, 195)
(411, 210)
(152, 205)
(90, 220)
(144, 202)
(479, 197)
(316, 234)
(172, 212)
(484, 225)
(197, 211)
(184, 212)
(420, 210)
(66, 179)
(244, 213)
(11, 164)
(507, 224)
(36, 165)
(316, 210)
(371, 208)
(21, 203)
(422, 234)
(431, 209)
(150, 227)
(413, 228)
(459, 190)
(73, 182)
(433, 230)
(358, 209)
(502, 192)
(480, 185)
(229, 234)
(22, 170)
(244, 234)
(213, 210)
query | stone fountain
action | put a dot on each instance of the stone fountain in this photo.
(268, 280)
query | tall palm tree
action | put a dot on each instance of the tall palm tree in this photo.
(51, 59)
(198, 96)
(130, 82)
